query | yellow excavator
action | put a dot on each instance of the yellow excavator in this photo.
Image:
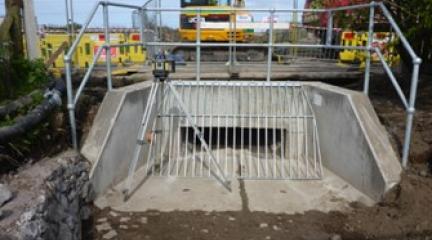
(219, 23)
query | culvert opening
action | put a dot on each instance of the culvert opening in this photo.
(203, 129)
(234, 137)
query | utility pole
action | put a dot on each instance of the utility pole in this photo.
(30, 28)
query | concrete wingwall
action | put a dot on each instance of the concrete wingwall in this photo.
(112, 139)
(354, 144)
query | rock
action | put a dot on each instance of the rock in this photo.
(123, 227)
(113, 214)
(276, 228)
(66, 233)
(31, 230)
(144, 220)
(336, 237)
(103, 227)
(135, 226)
(85, 212)
(102, 220)
(125, 219)
(268, 238)
(263, 225)
(290, 221)
(110, 235)
(231, 219)
(1, 214)
(205, 231)
(5, 195)
(424, 173)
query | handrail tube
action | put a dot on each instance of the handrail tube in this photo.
(353, 7)
(146, 3)
(235, 10)
(81, 33)
(392, 78)
(263, 45)
(115, 45)
(88, 74)
(122, 5)
(401, 36)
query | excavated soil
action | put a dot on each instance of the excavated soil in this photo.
(405, 213)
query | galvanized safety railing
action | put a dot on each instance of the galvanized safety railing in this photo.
(154, 41)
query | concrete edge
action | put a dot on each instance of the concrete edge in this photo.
(389, 164)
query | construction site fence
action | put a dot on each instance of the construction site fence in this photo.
(150, 39)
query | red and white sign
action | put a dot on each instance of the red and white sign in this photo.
(103, 54)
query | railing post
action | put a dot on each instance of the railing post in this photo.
(369, 48)
(270, 46)
(70, 100)
(329, 33)
(142, 21)
(411, 112)
(198, 46)
(107, 45)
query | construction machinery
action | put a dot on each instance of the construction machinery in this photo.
(217, 21)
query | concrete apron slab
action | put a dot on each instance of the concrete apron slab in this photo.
(167, 194)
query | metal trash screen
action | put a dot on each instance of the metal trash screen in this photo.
(254, 130)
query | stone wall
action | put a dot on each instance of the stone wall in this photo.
(63, 201)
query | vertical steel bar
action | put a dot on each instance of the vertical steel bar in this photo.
(71, 103)
(270, 49)
(219, 105)
(259, 130)
(242, 114)
(226, 134)
(273, 112)
(282, 135)
(411, 112)
(369, 46)
(170, 134)
(251, 111)
(212, 99)
(107, 45)
(198, 46)
(266, 133)
(297, 114)
(185, 161)
(234, 127)
(203, 118)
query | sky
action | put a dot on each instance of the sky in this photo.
(53, 11)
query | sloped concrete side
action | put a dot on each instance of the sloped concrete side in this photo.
(112, 139)
(354, 144)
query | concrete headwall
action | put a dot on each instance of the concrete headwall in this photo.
(354, 144)
(112, 139)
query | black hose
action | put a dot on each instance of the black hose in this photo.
(37, 115)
